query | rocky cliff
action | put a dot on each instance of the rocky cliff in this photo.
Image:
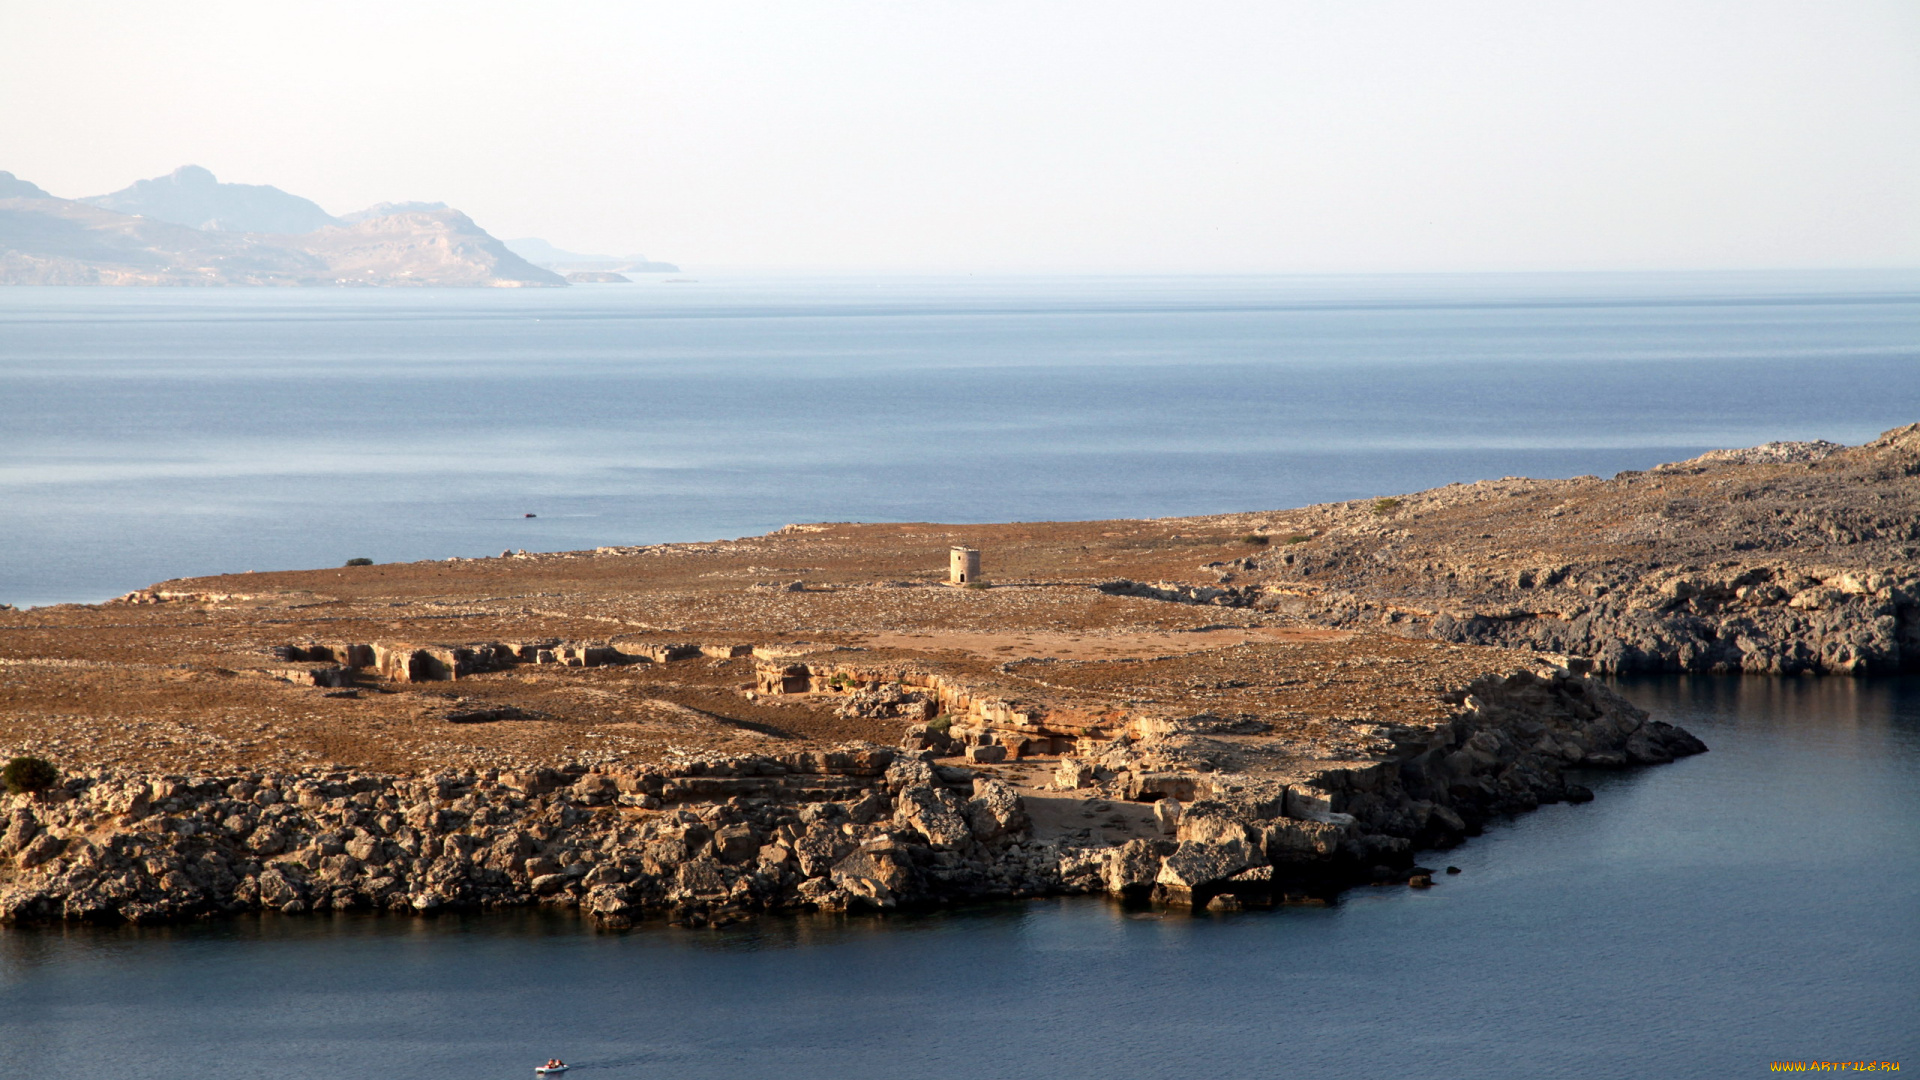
(709, 841)
(429, 247)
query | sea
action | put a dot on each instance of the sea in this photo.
(1756, 904)
(154, 433)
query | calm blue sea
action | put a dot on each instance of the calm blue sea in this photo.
(1757, 903)
(154, 433)
(1760, 902)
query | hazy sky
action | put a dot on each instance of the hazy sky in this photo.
(1033, 135)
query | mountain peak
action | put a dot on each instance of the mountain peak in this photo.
(191, 195)
(12, 187)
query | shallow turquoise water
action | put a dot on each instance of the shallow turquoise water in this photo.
(1758, 902)
(153, 433)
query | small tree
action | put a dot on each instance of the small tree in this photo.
(359, 562)
(24, 774)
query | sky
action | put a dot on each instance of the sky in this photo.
(1034, 136)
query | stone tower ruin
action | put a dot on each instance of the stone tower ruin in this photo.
(965, 566)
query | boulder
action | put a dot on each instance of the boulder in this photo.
(935, 813)
(996, 811)
(875, 874)
(823, 894)
(1214, 823)
(21, 829)
(1301, 841)
(700, 878)
(736, 844)
(1166, 813)
(40, 849)
(1133, 866)
(266, 842)
(819, 848)
(280, 889)
(869, 808)
(1073, 774)
(610, 905)
(1195, 866)
(595, 789)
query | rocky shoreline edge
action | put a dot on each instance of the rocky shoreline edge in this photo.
(1790, 558)
(707, 842)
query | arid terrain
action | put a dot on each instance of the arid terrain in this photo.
(1220, 710)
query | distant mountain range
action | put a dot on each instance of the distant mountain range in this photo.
(187, 228)
(191, 196)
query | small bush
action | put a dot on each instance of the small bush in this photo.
(940, 724)
(359, 562)
(1383, 507)
(976, 584)
(1298, 538)
(24, 774)
(1256, 539)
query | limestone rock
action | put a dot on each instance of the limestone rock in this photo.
(736, 843)
(996, 811)
(1195, 866)
(1073, 774)
(1133, 866)
(878, 875)
(934, 813)
(40, 849)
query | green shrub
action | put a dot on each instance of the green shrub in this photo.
(1256, 539)
(24, 774)
(359, 562)
(1383, 507)
(940, 724)
(1298, 538)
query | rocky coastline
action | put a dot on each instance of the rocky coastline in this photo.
(1215, 712)
(858, 827)
(1782, 559)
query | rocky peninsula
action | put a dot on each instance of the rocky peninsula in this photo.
(1783, 559)
(1218, 712)
(189, 229)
